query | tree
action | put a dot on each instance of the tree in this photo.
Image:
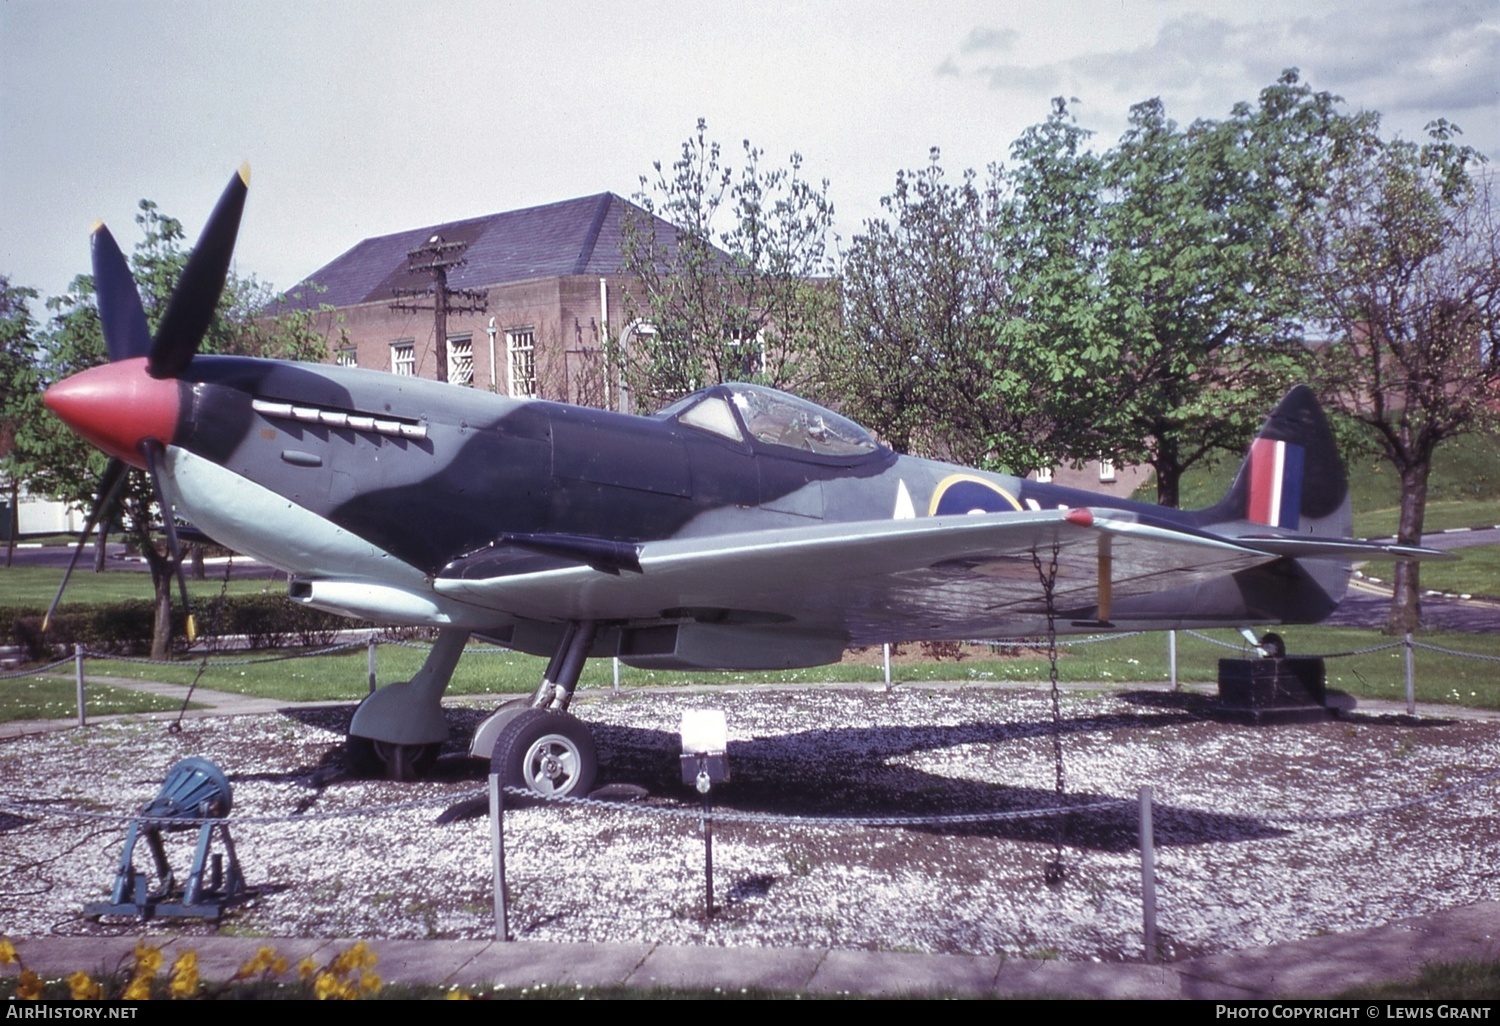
(921, 286)
(1405, 259)
(58, 463)
(20, 400)
(739, 289)
(1152, 288)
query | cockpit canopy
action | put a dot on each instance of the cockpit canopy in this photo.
(760, 416)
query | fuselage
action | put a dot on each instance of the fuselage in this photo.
(371, 489)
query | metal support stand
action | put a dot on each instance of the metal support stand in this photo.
(1409, 668)
(1148, 875)
(210, 889)
(497, 851)
(708, 852)
(370, 661)
(1055, 872)
(78, 677)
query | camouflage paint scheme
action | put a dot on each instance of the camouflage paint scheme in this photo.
(740, 528)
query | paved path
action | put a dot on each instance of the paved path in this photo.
(1321, 966)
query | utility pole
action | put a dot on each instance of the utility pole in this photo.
(435, 257)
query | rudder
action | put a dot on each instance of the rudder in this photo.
(1292, 478)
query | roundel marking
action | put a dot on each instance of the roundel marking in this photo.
(965, 493)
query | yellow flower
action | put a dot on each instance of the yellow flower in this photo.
(458, 995)
(29, 987)
(184, 976)
(328, 987)
(147, 958)
(307, 967)
(278, 966)
(139, 988)
(83, 988)
(8, 954)
(369, 983)
(265, 958)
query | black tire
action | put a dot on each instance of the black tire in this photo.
(375, 760)
(549, 753)
(1274, 645)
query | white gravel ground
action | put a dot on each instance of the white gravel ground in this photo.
(1231, 872)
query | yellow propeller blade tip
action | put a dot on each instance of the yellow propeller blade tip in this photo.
(192, 627)
(46, 622)
(245, 173)
(98, 224)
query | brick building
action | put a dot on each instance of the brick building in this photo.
(552, 277)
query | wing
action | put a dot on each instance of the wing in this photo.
(950, 576)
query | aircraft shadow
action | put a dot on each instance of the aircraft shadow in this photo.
(853, 772)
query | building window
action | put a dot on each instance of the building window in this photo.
(520, 345)
(404, 359)
(461, 360)
(1044, 475)
(347, 357)
(1106, 468)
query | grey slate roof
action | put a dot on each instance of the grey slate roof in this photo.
(577, 236)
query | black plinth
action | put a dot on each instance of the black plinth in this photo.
(1287, 690)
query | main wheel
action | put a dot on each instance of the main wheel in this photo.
(373, 759)
(1274, 646)
(548, 752)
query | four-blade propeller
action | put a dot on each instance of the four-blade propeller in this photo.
(130, 406)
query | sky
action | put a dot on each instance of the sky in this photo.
(364, 117)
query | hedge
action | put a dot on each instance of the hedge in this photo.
(124, 628)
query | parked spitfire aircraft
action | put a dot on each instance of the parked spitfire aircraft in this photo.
(739, 528)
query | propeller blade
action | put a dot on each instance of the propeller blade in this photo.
(110, 483)
(125, 333)
(191, 308)
(154, 451)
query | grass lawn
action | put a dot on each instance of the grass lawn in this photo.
(488, 670)
(35, 586)
(1476, 573)
(48, 698)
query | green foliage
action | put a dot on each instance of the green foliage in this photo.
(1404, 257)
(54, 461)
(735, 291)
(128, 627)
(920, 286)
(1151, 298)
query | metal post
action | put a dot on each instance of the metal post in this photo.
(1172, 657)
(78, 676)
(616, 661)
(887, 647)
(1148, 875)
(1411, 686)
(708, 850)
(370, 658)
(497, 850)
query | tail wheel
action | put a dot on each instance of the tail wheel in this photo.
(547, 752)
(1273, 645)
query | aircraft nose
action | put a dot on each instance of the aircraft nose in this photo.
(117, 406)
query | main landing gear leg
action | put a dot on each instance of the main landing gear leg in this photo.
(398, 731)
(539, 745)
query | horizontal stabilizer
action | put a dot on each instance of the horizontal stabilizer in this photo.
(1341, 548)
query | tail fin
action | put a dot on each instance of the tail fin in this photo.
(1292, 478)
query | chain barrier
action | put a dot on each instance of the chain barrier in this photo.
(32, 810)
(27, 811)
(1455, 652)
(330, 650)
(36, 669)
